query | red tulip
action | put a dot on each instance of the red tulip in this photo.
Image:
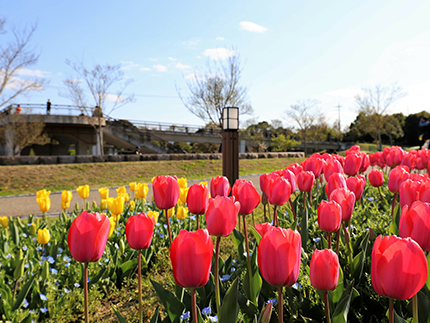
(305, 181)
(352, 164)
(423, 193)
(221, 215)
(373, 159)
(291, 178)
(398, 267)
(415, 223)
(356, 185)
(408, 192)
(353, 150)
(340, 159)
(220, 186)
(295, 168)
(332, 166)
(278, 190)
(324, 270)
(346, 199)
(335, 181)
(365, 162)
(314, 165)
(397, 176)
(263, 228)
(380, 159)
(198, 199)
(139, 230)
(409, 160)
(279, 254)
(247, 195)
(166, 191)
(263, 178)
(329, 216)
(191, 258)
(87, 236)
(376, 177)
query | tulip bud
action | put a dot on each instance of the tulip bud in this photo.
(112, 226)
(264, 199)
(267, 313)
(131, 206)
(94, 205)
(45, 271)
(19, 270)
(32, 229)
(37, 222)
(121, 247)
(77, 206)
(4, 221)
(371, 234)
(43, 236)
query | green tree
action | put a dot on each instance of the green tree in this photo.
(283, 143)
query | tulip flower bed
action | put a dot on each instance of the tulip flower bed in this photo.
(335, 239)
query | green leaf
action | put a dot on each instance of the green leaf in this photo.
(118, 315)
(304, 229)
(428, 277)
(230, 307)
(337, 293)
(23, 293)
(172, 304)
(96, 278)
(398, 319)
(252, 286)
(247, 307)
(340, 314)
(256, 235)
(358, 265)
(28, 319)
(127, 267)
(14, 231)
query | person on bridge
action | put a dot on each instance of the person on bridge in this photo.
(18, 109)
(48, 107)
(137, 151)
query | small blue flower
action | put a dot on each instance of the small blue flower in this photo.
(40, 262)
(8, 256)
(370, 199)
(60, 250)
(44, 310)
(43, 258)
(297, 285)
(207, 310)
(77, 285)
(165, 226)
(57, 283)
(286, 213)
(213, 318)
(25, 305)
(88, 279)
(185, 316)
(116, 245)
(158, 224)
(66, 259)
(66, 290)
(193, 217)
(43, 297)
(54, 271)
(39, 248)
(316, 239)
(24, 235)
(225, 277)
(273, 301)
(67, 265)
(233, 270)
(161, 235)
(51, 260)
(106, 260)
(26, 265)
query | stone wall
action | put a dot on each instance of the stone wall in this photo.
(49, 160)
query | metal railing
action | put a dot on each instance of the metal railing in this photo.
(56, 109)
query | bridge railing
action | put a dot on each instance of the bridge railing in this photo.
(56, 109)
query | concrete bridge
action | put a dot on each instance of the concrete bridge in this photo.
(78, 127)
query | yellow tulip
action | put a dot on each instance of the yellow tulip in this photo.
(116, 205)
(132, 186)
(43, 236)
(126, 196)
(66, 196)
(44, 202)
(4, 221)
(182, 182)
(103, 204)
(42, 192)
(204, 183)
(104, 193)
(121, 190)
(171, 212)
(32, 229)
(65, 206)
(131, 206)
(182, 212)
(183, 195)
(112, 221)
(154, 215)
(83, 191)
(141, 190)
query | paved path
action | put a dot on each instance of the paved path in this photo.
(24, 205)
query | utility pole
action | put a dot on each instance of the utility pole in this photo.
(338, 108)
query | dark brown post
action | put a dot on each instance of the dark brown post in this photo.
(230, 144)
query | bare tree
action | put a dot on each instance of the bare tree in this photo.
(376, 102)
(305, 113)
(98, 81)
(17, 132)
(14, 56)
(217, 87)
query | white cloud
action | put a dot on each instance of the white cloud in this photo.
(160, 68)
(128, 65)
(145, 69)
(172, 59)
(113, 98)
(218, 53)
(220, 38)
(37, 73)
(182, 66)
(253, 27)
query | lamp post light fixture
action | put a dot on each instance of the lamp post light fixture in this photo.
(230, 144)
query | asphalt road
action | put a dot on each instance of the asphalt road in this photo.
(24, 205)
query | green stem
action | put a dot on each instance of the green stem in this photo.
(194, 305)
(391, 311)
(197, 221)
(168, 226)
(248, 255)
(280, 305)
(139, 276)
(337, 241)
(292, 209)
(217, 293)
(415, 308)
(393, 205)
(327, 308)
(329, 239)
(380, 193)
(346, 236)
(264, 209)
(253, 221)
(87, 319)
(275, 217)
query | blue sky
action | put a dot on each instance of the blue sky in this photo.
(290, 50)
